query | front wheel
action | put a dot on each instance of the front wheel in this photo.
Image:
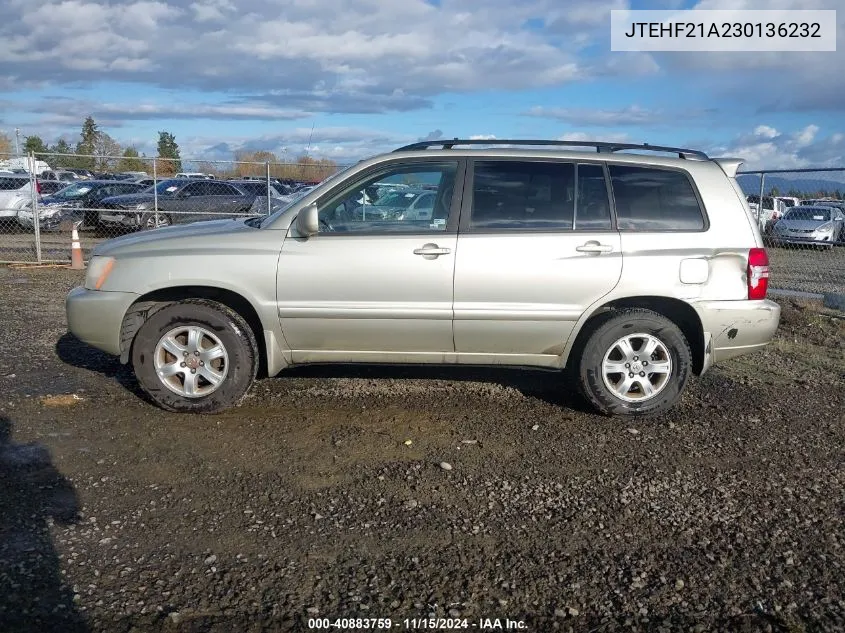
(154, 220)
(636, 362)
(195, 356)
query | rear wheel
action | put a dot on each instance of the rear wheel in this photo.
(195, 356)
(636, 362)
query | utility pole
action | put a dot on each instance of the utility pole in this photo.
(17, 141)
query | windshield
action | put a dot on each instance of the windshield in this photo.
(166, 187)
(811, 214)
(73, 191)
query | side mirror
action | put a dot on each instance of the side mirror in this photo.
(308, 221)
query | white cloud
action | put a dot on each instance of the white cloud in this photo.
(360, 48)
(768, 148)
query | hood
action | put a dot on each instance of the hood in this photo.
(54, 201)
(801, 225)
(182, 238)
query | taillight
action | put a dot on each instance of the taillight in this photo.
(37, 187)
(758, 273)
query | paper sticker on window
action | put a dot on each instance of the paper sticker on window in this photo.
(438, 222)
(171, 189)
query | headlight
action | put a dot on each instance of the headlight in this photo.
(99, 269)
(143, 206)
(48, 212)
(827, 227)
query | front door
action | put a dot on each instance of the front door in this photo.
(376, 282)
(537, 247)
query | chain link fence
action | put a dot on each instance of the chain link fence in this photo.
(106, 196)
(801, 213)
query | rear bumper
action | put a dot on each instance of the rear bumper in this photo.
(95, 316)
(733, 328)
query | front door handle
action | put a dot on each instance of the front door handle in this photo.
(594, 247)
(431, 251)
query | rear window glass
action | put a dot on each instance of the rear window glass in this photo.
(649, 199)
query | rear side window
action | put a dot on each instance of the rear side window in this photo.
(650, 199)
(523, 195)
(10, 184)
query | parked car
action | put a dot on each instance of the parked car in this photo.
(49, 187)
(195, 174)
(133, 175)
(15, 192)
(66, 175)
(771, 212)
(790, 201)
(820, 226)
(179, 200)
(519, 264)
(85, 174)
(391, 204)
(259, 187)
(79, 201)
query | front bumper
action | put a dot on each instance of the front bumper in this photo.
(96, 316)
(120, 218)
(47, 221)
(818, 240)
(733, 328)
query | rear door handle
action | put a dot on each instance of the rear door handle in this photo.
(431, 251)
(594, 247)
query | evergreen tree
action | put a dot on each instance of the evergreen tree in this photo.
(87, 146)
(35, 145)
(131, 161)
(168, 149)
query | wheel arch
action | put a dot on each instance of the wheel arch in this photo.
(679, 312)
(148, 304)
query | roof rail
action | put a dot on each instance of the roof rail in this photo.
(600, 146)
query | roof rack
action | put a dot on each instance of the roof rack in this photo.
(600, 146)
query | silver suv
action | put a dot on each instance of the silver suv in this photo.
(626, 268)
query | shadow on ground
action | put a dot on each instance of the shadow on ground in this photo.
(33, 494)
(71, 351)
(553, 387)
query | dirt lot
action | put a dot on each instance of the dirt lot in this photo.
(727, 514)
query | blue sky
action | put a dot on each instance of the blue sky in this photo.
(368, 75)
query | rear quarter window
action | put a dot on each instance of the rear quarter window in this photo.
(650, 199)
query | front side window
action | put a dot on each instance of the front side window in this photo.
(390, 207)
(649, 199)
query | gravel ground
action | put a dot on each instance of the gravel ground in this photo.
(415, 493)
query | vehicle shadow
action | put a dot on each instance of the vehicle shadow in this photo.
(71, 351)
(33, 495)
(552, 387)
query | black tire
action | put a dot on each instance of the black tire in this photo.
(233, 333)
(147, 221)
(611, 328)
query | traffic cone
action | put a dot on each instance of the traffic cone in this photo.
(76, 261)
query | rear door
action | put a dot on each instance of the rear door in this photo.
(537, 246)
